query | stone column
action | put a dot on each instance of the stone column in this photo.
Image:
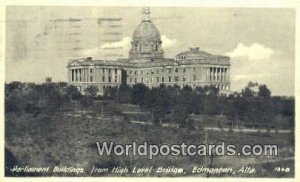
(84, 74)
(220, 74)
(215, 73)
(87, 74)
(94, 73)
(78, 72)
(228, 74)
(69, 75)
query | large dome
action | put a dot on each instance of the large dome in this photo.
(146, 42)
(147, 31)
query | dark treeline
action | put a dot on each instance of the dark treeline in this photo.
(167, 103)
(172, 103)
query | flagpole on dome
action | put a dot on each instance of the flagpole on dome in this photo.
(146, 12)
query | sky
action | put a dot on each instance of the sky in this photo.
(259, 41)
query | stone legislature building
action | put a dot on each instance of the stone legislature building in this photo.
(146, 64)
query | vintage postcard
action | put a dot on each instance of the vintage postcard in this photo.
(149, 91)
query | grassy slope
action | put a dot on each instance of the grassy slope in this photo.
(63, 140)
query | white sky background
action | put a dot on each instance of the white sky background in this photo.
(260, 42)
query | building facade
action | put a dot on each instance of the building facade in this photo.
(146, 64)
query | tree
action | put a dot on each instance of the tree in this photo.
(139, 92)
(110, 92)
(91, 91)
(125, 93)
(247, 92)
(264, 91)
(73, 93)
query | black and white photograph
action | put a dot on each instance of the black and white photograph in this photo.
(149, 91)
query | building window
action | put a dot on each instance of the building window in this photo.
(142, 79)
(72, 76)
(194, 69)
(103, 78)
(157, 79)
(176, 70)
(109, 70)
(135, 72)
(170, 78)
(135, 80)
(116, 78)
(142, 72)
(130, 80)
(176, 79)
(157, 71)
(109, 79)
(116, 71)
(169, 70)
(194, 77)
(183, 70)
(136, 47)
(103, 70)
(152, 72)
(91, 79)
(162, 79)
(91, 70)
(183, 78)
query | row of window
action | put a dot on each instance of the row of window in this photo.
(161, 79)
(110, 70)
(169, 70)
(139, 47)
(80, 75)
(109, 79)
(181, 57)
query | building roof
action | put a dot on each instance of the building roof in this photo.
(194, 51)
(196, 54)
(125, 63)
(146, 30)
